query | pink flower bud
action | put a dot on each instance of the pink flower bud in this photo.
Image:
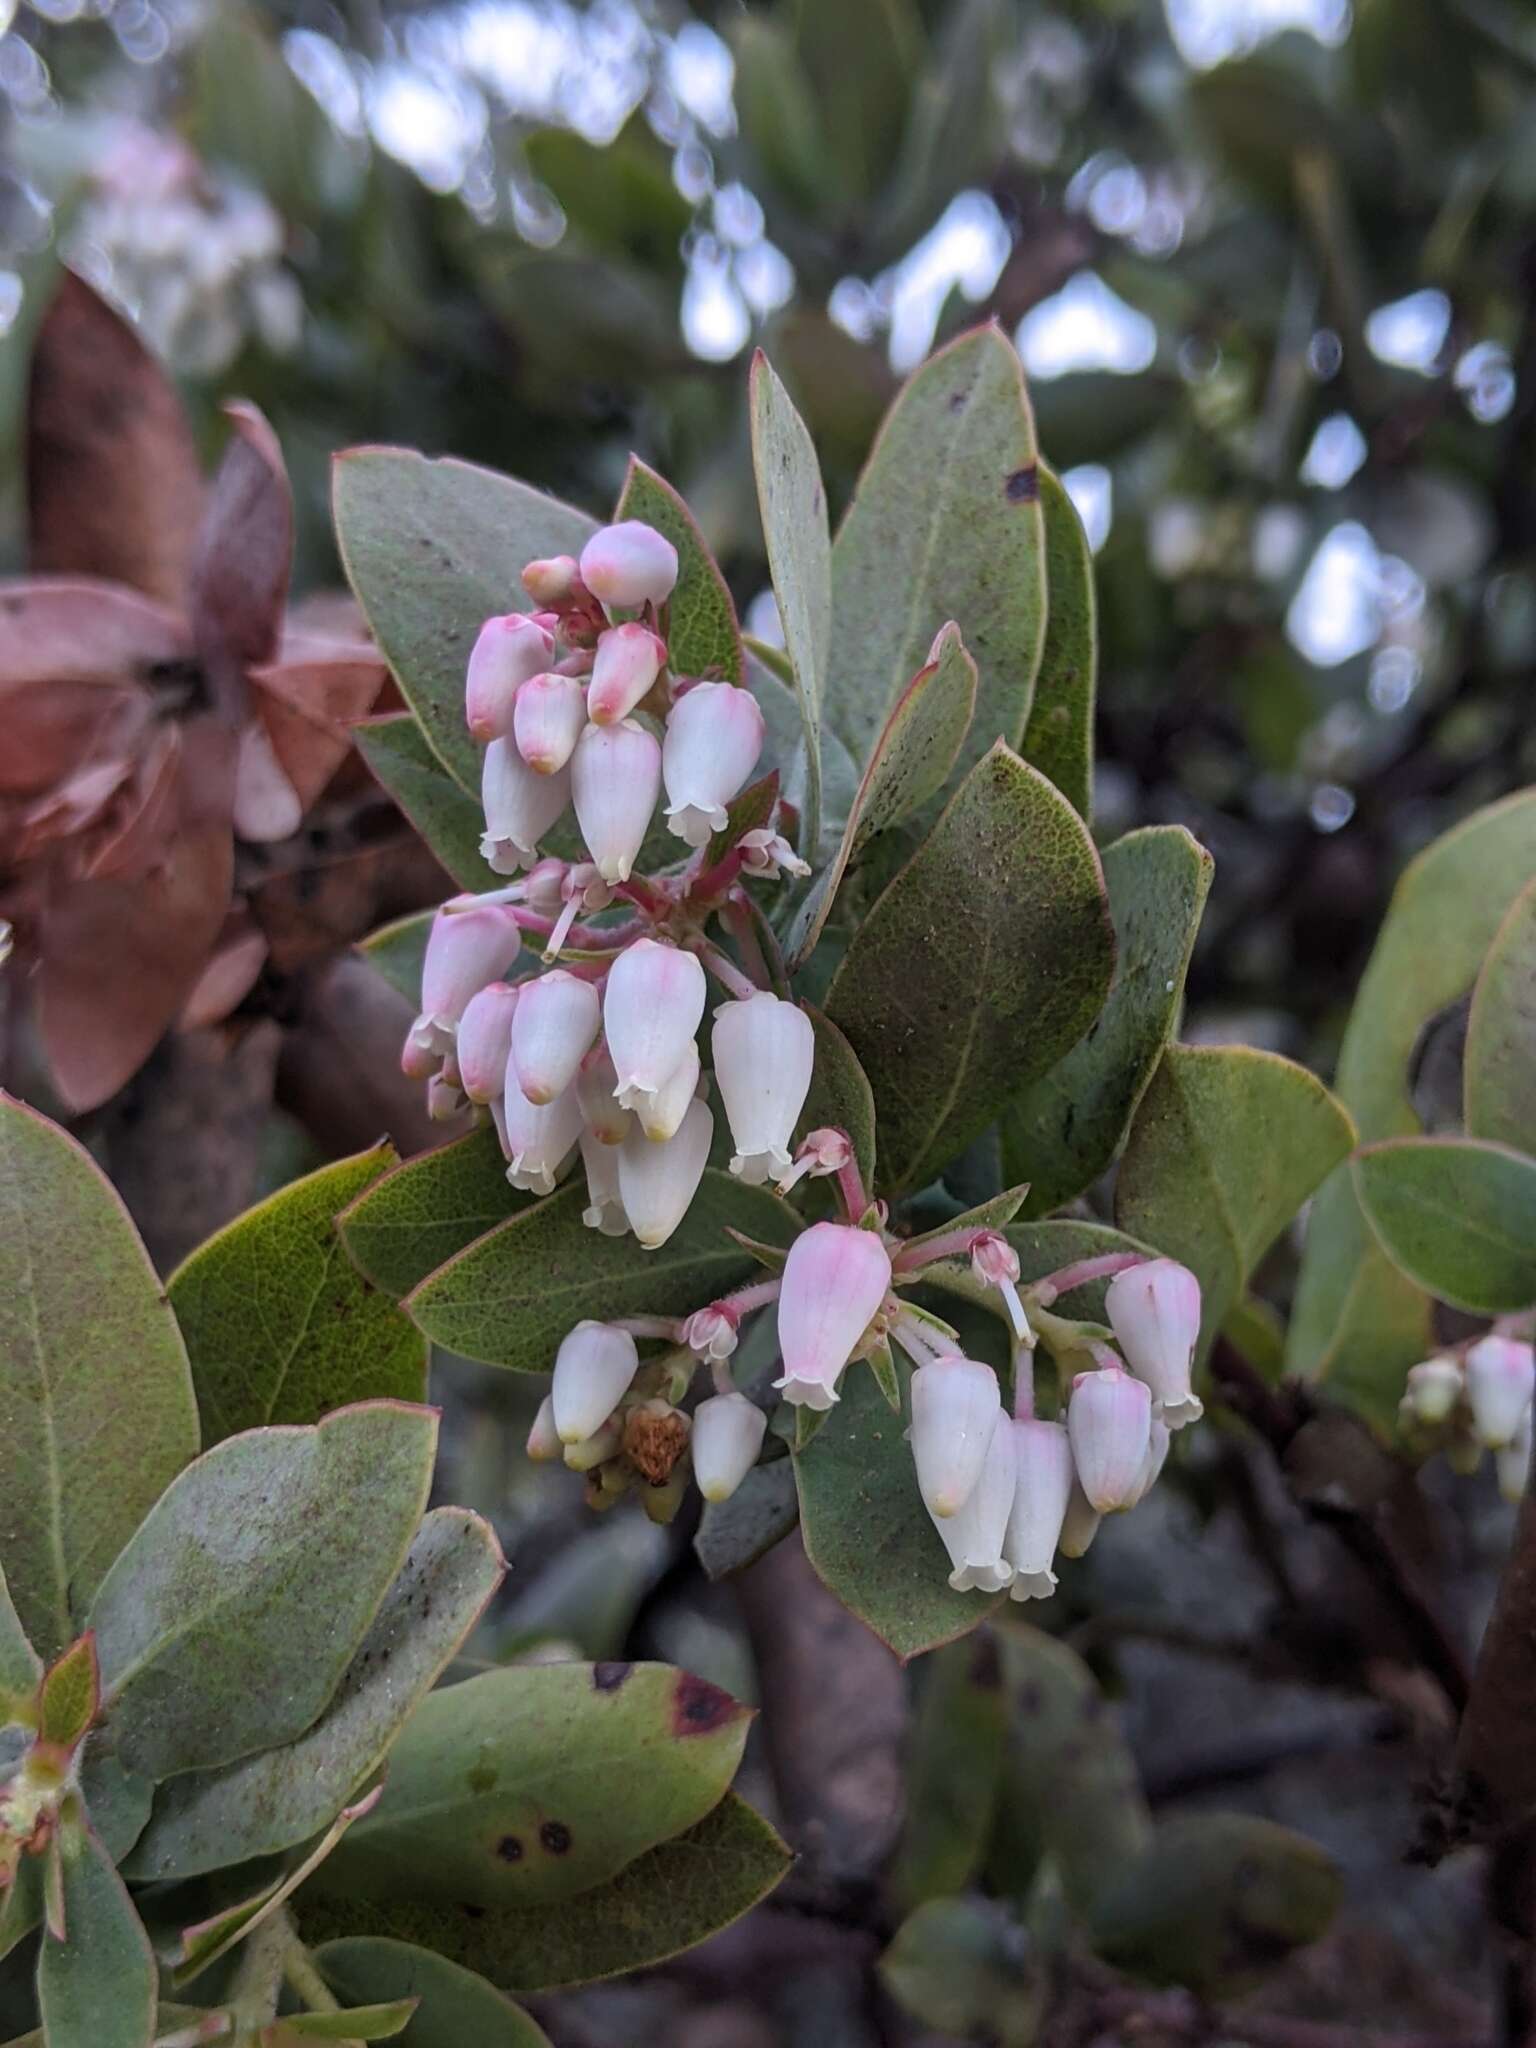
(605, 1206)
(728, 1432)
(955, 1414)
(1042, 1456)
(507, 652)
(544, 887)
(418, 1060)
(1109, 1421)
(520, 807)
(660, 1114)
(552, 1031)
(596, 1085)
(763, 1050)
(821, 1152)
(712, 1332)
(485, 1040)
(652, 1006)
(596, 1449)
(593, 1369)
(1501, 1373)
(714, 736)
(626, 665)
(1154, 1310)
(537, 1137)
(835, 1279)
(547, 721)
(993, 1258)
(658, 1182)
(465, 950)
(1433, 1390)
(629, 564)
(976, 1533)
(553, 581)
(544, 1438)
(615, 777)
(1081, 1524)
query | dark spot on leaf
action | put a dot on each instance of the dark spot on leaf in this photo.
(609, 1677)
(555, 1836)
(957, 401)
(1023, 486)
(698, 1706)
(510, 1849)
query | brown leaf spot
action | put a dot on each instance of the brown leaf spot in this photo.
(555, 1836)
(510, 1849)
(609, 1677)
(1023, 486)
(699, 1707)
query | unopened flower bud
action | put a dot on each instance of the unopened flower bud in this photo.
(652, 1006)
(728, 1432)
(624, 671)
(1154, 1310)
(605, 1206)
(1433, 1389)
(955, 1414)
(629, 564)
(764, 1050)
(537, 1137)
(1159, 1437)
(714, 736)
(659, 1114)
(596, 1449)
(544, 886)
(834, 1281)
(418, 1060)
(615, 778)
(658, 1181)
(507, 652)
(1081, 1523)
(547, 721)
(766, 854)
(996, 1264)
(713, 1332)
(553, 581)
(593, 1369)
(1501, 1374)
(553, 1027)
(544, 1439)
(1043, 1473)
(1512, 1464)
(466, 949)
(820, 1153)
(485, 1040)
(520, 807)
(975, 1535)
(1109, 1421)
(596, 1086)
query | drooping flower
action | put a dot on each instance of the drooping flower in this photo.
(976, 1534)
(1501, 1374)
(652, 1007)
(1154, 1310)
(1159, 1437)
(764, 1050)
(593, 1369)
(508, 651)
(596, 1088)
(956, 1413)
(556, 1020)
(547, 721)
(1043, 1476)
(615, 779)
(520, 807)
(624, 669)
(485, 1040)
(712, 1332)
(629, 563)
(657, 1182)
(1109, 1420)
(714, 736)
(835, 1279)
(659, 1114)
(466, 948)
(728, 1432)
(1081, 1523)
(543, 1438)
(605, 1206)
(537, 1138)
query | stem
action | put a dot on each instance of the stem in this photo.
(738, 921)
(850, 1188)
(758, 1295)
(651, 897)
(721, 1377)
(1078, 1275)
(953, 1244)
(667, 1327)
(305, 1981)
(724, 969)
(1023, 1383)
(711, 883)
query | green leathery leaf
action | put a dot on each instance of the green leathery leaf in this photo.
(910, 762)
(80, 1465)
(539, 1781)
(225, 1625)
(204, 1820)
(117, 1801)
(960, 1967)
(840, 1097)
(279, 1323)
(407, 1223)
(514, 1294)
(1003, 910)
(96, 1988)
(354, 2023)
(70, 1695)
(792, 502)
(20, 1666)
(703, 638)
(761, 1512)
(954, 1768)
(1458, 1215)
(1357, 1321)
(1227, 1144)
(456, 2008)
(397, 951)
(1499, 1070)
(748, 812)
(1059, 737)
(996, 1213)
(945, 524)
(396, 749)
(21, 1904)
(1065, 1130)
(669, 1899)
(1215, 1902)
(432, 549)
(168, 2019)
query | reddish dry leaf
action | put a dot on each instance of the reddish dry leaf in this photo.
(240, 577)
(229, 976)
(309, 705)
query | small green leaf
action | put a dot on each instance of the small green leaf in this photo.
(946, 524)
(882, 1365)
(514, 1294)
(1062, 1133)
(280, 1325)
(1216, 1903)
(1500, 1063)
(1059, 737)
(117, 1802)
(80, 1464)
(397, 951)
(227, 1622)
(793, 504)
(356, 2023)
(994, 1214)
(96, 1987)
(670, 1899)
(204, 1820)
(746, 813)
(419, 1215)
(961, 1967)
(20, 1666)
(457, 2009)
(432, 549)
(984, 961)
(1457, 1215)
(954, 1767)
(70, 1695)
(540, 1781)
(840, 1098)
(703, 637)
(1227, 1144)
(910, 762)
(396, 749)
(761, 1512)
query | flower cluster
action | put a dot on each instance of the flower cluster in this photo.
(1473, 1399)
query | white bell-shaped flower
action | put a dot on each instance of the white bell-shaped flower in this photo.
(764, 1050)
(1154, 1310)
(593, 1369)
(625, 666)
(1501, 1375)
(659, 1114)
(1043, 1473)
(976, 1535)
(520, 807)
(506, 653)
(834, 1281)
(1109, 1420)
(1433, 1389)
(543, 1438)
(658, 1182)
(485, 1040)
(714, 736)
(615, 779)
(728, 1432)
(1081, 1523)
(547, 721)
(556, 1020)
(605, 1206)
(652, 1006)
(1159, 1437)
(466, 949)
(629, 563)
(607, 1119)
(956, 1413)
(537, 1137)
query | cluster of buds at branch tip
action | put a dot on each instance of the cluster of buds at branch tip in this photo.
(1473, 1398)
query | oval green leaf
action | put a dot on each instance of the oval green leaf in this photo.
(96, 1988)
(1059, 737)
(416, 1217)
(703, 638)
(396, 749)
(954, 1768)
(355, 2023)
(1457, 1215)
(456, 2007)
(20, 1666)
(840, 1097)
(1499, 1073)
